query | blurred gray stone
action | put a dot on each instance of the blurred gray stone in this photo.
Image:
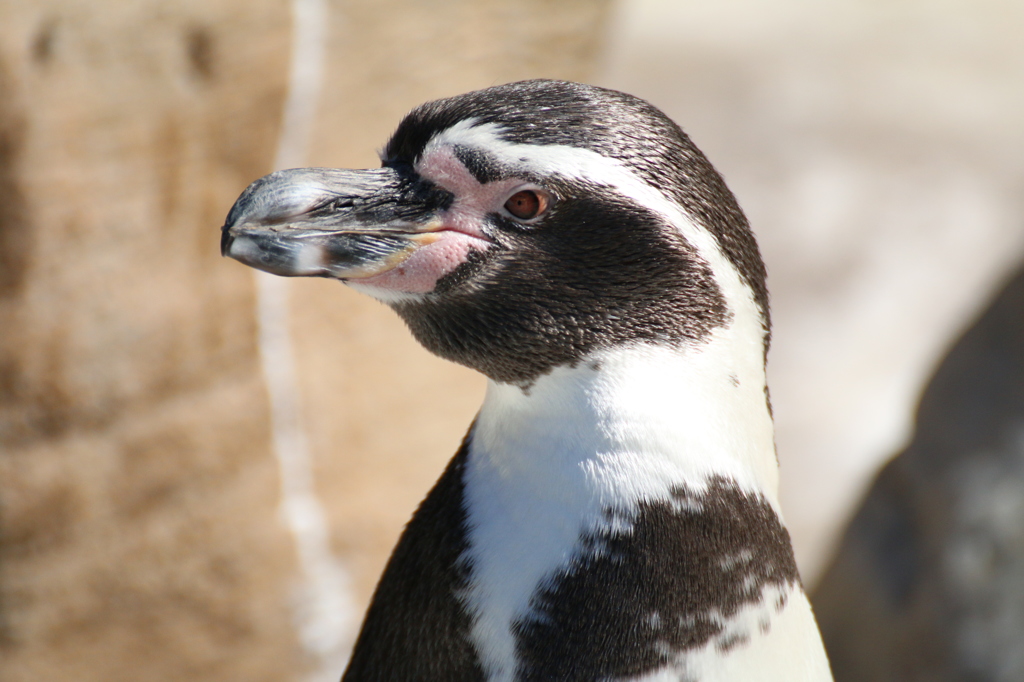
(928, 582)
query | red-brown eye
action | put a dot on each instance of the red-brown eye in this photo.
(526, 204)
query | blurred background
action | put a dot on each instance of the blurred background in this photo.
(202, 472)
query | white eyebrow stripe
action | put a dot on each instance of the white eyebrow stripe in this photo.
(583, 164)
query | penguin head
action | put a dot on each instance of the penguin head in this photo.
(520, 228)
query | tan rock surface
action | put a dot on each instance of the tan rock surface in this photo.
(139, 528)
(139, 536)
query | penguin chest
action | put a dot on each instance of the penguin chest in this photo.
(663, 587)
(590, 560)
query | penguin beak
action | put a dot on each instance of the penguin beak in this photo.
(327, 222)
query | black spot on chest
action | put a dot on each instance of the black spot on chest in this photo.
(636, 598)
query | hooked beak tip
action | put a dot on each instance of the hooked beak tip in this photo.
(226, 239)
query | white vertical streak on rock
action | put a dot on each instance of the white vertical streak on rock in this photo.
(309, 41)
(323, 606)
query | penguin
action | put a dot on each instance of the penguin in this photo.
(927, 581)
(613, 512)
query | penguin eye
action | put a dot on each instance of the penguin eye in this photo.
(526, 204)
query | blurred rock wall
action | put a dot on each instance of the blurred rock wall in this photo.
(139, 529)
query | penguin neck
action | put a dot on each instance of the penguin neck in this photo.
(633, 423)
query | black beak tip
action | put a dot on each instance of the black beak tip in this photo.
(225, 241)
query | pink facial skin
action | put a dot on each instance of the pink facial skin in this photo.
(454, 233)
